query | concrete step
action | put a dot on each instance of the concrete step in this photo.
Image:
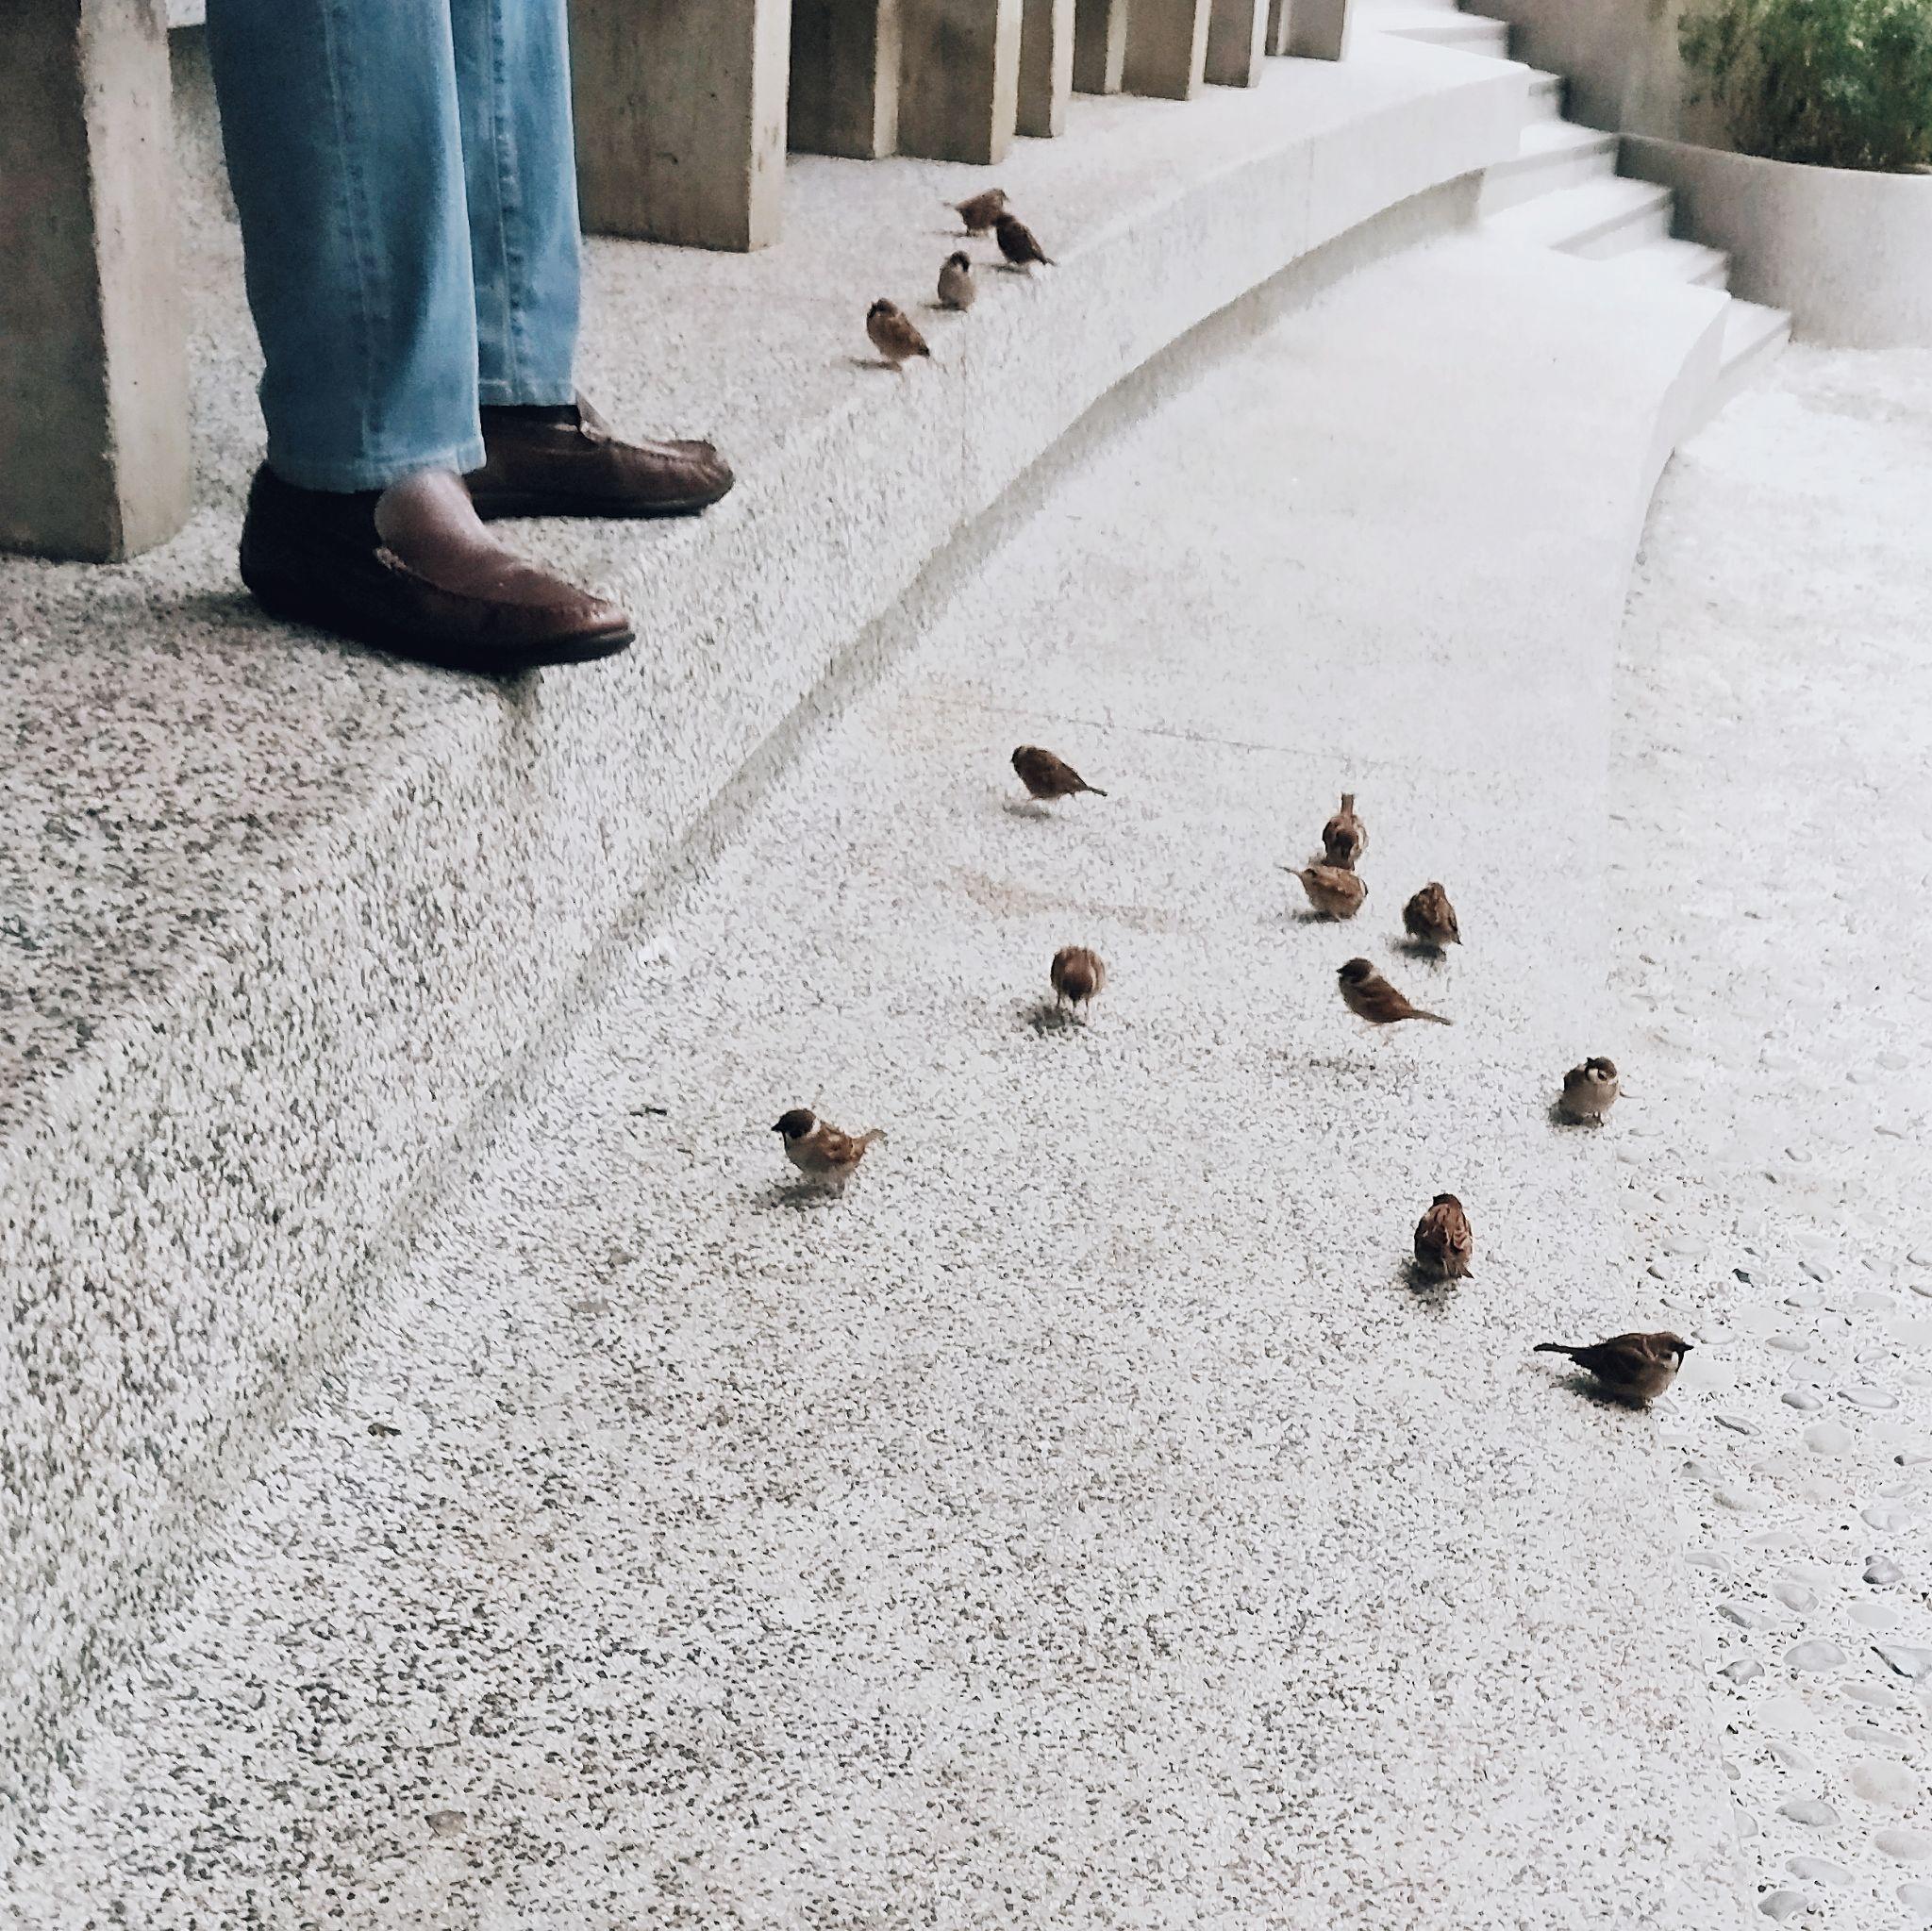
(1083, 1522)
(1755, 337)
(1438, 27)
(1546, 93)
(285, 928)
(1595, 219)
(1553, 155)
(1677, 261)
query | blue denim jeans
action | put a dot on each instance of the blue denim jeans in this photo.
(406, 178)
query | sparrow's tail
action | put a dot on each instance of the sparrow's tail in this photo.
(1436, 1016)
(1552, 1348)
(872, 1136)
(1095, 790)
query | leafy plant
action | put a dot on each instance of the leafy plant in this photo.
(1837, 83)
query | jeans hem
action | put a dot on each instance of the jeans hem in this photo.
(526, 395)
(374, 471)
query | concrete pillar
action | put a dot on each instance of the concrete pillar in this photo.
(845, 77)
(1281, 25)
(680, 117)
(1318, 29)
(1167, 48)
(94, 332)
(1046, 65)
(959, 78)
(1100, 45)
(1236, 30)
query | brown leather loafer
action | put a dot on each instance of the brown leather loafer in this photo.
(313, 556)
(566, 462)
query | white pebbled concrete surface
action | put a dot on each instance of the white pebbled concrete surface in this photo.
(279, 921)
(1773, 775)
(1085, 1522)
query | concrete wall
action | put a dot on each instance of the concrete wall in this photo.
(1849, 252)
(1620, 60)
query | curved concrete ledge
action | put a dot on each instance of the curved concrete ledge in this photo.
(1087, 1524)
(1848, 252)
(282, 922)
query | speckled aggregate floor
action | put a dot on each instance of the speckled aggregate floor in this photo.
(1086, 1522)
(1771, 857)
(283, 925)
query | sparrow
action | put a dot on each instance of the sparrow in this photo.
(1431, 919)
(1334, 890)
(1589, 1091)
(892, 335)
(956, 285)
(1018, 243)
(819, 1151)
(1078, 974)
(1370, 996)
(1639, 1367)
(1442, 1241)
(979, 212)
(1343, 840)
(1047, 777)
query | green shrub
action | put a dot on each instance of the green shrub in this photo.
(1839, 83)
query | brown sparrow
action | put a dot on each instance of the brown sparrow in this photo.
(1589, 1091)
(1370, 996)
(1431, 919)
(819, 1151)
(979, 212)
(1334, 890)
(1078, 974)
(1442, 1241)
(956, 285)
(893, 334)
(1018, 243)
(1639, 1367)
(1343, 840)
(1047, 777)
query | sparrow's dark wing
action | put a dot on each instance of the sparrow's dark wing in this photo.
(1619, 1362)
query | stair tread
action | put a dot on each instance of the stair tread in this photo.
(1457, 34)
(1674, 259)
(1750, 324)
(1418, 21)
(1563, 136)
(1590, 205)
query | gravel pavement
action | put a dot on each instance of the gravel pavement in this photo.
(1771, 851)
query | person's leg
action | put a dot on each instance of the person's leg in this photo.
(340, 121)
(512, 79)
(344, 145)
(549, 453)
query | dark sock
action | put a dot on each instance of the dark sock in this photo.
(533, 412)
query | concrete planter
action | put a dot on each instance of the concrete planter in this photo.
(1849, 252)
